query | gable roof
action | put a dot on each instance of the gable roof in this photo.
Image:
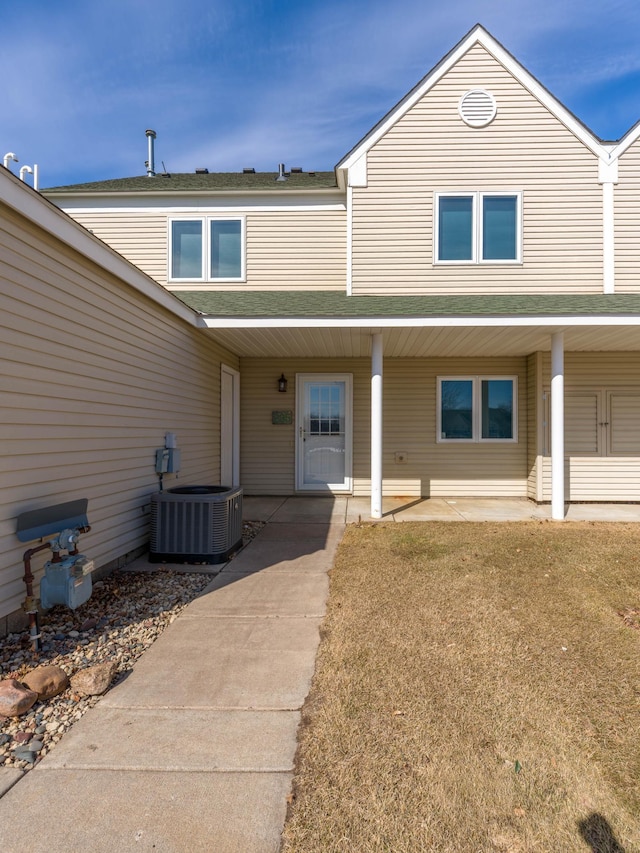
(478, 35)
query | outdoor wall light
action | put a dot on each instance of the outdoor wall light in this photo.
(282, 383)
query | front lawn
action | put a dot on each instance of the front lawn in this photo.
(477, 689)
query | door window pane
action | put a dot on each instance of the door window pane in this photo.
(455, 228)
(226, 248)
(186, 249)
(326, 409)
(499, 223)
(456, 408)
(497, 408)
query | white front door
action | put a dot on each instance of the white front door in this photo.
(229, 426)
(323, 432)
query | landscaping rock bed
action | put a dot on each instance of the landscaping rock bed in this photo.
(126, 613)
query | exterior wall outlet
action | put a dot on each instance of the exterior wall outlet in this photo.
(401, 457)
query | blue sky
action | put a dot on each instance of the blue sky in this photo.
(234, 83)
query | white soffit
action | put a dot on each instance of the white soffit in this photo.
(479, 35)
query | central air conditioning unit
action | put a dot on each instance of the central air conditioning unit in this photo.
(195, 524)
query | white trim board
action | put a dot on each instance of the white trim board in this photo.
(559, 322)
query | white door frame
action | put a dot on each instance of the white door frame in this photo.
(340, 488)
(229, 426)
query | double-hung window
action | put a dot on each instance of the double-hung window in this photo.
(478, 227)
(207, 249)
(477, 408)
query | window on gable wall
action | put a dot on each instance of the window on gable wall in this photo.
(206, 249)
(478, 227)
(477, 408)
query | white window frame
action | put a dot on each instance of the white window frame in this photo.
(205, 265)
(476, 227)
(476, 409)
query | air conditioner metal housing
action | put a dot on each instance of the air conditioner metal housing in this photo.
(195, 524)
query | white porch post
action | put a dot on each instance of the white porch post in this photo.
(376, 425)
(557, 426)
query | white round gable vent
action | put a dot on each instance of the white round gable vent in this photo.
(477, 107)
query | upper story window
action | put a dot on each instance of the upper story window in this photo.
(478, 227)
(207, 249)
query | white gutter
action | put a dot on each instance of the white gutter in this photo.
(561, 321)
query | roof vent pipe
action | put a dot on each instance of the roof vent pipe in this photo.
(281, 173)
(150, 164)
(8, 157)
(27, 170)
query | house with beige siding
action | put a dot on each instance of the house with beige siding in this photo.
(454, 310)
(97, 363)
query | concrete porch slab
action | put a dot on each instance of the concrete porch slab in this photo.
(260, 508)
(103, 811)
(402, 509)
(179, 740)
(319, 510)
(497, 509)
(263, 594)
(429, 509)
(601, 512)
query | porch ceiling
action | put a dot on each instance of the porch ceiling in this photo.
(321, 324)
(433, 342)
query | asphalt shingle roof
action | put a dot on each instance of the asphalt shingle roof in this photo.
(205, 182)
(327, 304)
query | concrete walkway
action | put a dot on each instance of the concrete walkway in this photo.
(194, 750)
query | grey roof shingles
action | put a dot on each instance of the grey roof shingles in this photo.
(204, 182)
(328, 304)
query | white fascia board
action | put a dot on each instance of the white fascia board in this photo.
(213, 322)
(478, 35)
(199, 209)
(626, 142)
(127, 201)
(184, 204)
(24, 200)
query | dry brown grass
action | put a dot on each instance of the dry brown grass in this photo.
(477, 689)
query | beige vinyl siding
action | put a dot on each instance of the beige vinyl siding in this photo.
(409, 412)
(602, 442)
(297, 249)
(93, 374)
(524, 149)
(627, 221)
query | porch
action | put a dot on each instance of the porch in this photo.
(351, 510)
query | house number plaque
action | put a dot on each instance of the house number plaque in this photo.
(282, 417)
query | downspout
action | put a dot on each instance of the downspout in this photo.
(608, 177)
